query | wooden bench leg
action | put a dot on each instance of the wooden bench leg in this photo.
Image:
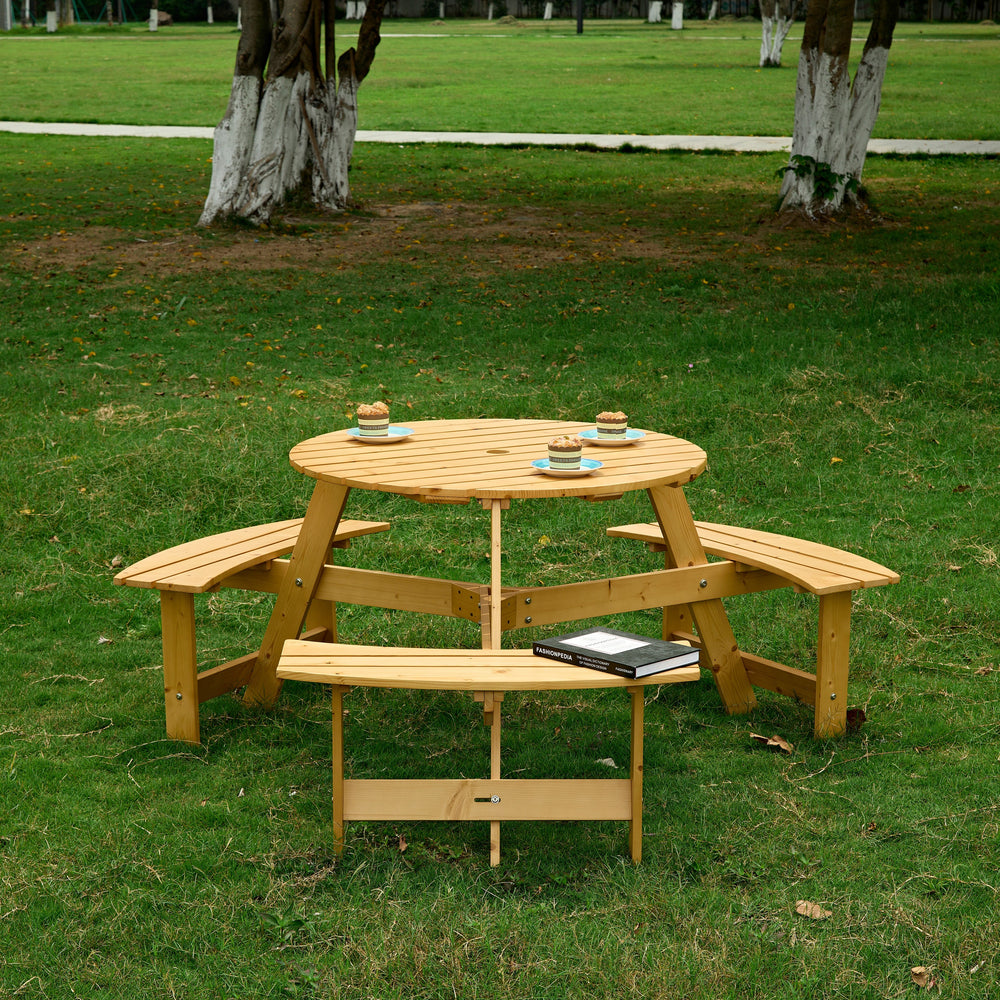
(338, 769)
(492, 701)
(180, 666)
(635, 773)
(832, 664)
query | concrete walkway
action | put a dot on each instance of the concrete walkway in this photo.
(727, 143)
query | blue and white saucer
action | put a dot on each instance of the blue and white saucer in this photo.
(587, 466)
(395, 435)
(631, 436)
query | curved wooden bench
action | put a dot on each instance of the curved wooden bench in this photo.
(207, 564)
(830, 573)
(489, 673)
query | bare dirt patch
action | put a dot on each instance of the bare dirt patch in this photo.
(473, 235)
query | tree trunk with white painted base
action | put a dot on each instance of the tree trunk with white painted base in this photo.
(296, 131)
(776, 20)
(834, 117)
(655, 14)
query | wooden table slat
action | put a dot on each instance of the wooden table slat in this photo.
(489, 459)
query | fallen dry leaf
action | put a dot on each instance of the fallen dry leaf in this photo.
(812, 910)
(772, 742)
(855, 719)
(921, 977)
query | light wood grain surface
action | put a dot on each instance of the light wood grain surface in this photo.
(461, 460)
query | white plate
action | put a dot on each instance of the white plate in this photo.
(587, 466)
(395, 435)
(631, 436)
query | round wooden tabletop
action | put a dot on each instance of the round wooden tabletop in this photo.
(460, 460)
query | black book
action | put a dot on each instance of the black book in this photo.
(614, 652)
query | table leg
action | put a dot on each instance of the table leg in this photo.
(338, 769)
(297, 588)
(685, 549)
(496, 599)
(635, 772)
(496, 699)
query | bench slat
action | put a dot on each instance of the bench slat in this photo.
(197, 566)
(448, 669)
(820, 569)
(802, 552)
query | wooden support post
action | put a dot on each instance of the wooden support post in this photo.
(496, 698)
(676, 618)
(297, 588)
(635, 772)
(832, 664)
(180, 667)
(496, 584)
(323, 614)
(685, 549)
(496, 559)
(338, 769)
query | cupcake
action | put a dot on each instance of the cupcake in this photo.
(373, 419)
(564, 453)
(611, 426)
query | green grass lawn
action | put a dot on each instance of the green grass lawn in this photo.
(618, 77)
(153, 377)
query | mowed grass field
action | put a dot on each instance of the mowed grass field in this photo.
(843, 380)
(533, 76)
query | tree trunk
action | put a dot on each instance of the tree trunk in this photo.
(296, 132)
(776, 20)
(833, 118)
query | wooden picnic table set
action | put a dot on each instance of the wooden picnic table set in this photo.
(496, 462)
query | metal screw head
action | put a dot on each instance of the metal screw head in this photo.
(494, 799)
(527, 621)
(179, 696)
(298, 581)
(703, 584)
(527, 600)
